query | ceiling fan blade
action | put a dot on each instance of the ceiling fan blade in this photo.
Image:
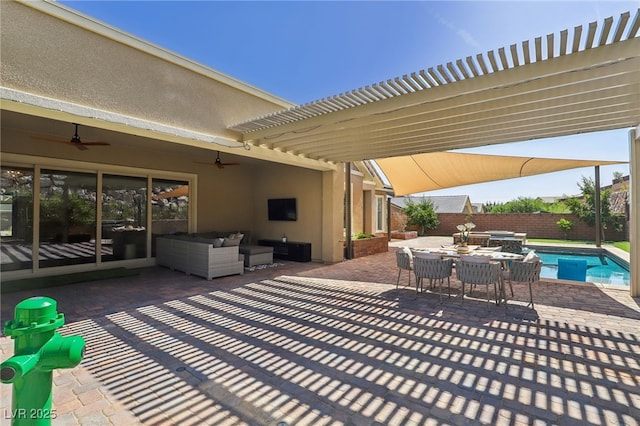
(75, 141)
(210, 163)
(49, 139)
(92, 143)
(229, 164)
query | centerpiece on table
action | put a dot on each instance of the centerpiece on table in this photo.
(465, 230)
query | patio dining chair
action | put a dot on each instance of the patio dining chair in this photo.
(404, 261)
(477, 273)
(524, 272)
(432, 269)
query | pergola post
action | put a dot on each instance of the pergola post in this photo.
(598, 206)
(634, 213)
(348, 208)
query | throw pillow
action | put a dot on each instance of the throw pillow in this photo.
(408, 251)
(531, 257)
(229, 242)
(218, 242)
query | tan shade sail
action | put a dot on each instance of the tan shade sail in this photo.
(427, 172)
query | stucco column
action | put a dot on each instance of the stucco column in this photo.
(332, 215)
(634, 195)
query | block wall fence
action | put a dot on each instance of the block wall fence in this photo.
(536, 225)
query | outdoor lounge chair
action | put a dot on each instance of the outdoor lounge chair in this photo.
(432, 269)
(482, 273)
(525, 272)
(404, 261)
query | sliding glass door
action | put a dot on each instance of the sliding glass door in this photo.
(16, 218)
(169, 208)
(68, 206)
(124, 217)
(73, 214)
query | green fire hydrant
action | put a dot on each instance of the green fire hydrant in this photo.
(38, 350)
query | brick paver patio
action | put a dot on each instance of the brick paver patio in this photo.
(306, 344)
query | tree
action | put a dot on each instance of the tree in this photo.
(422, 214)
(585, 207)
(525, 205)
(565, 226)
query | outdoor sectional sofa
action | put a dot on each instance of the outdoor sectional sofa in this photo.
(252, 254)
(197, 256)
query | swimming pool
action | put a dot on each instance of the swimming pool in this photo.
(602, 266)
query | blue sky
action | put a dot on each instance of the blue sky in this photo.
(303, 51)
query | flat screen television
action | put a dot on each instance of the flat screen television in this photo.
(282, 209)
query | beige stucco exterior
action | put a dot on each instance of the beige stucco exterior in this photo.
(163, 116)
(98, 67)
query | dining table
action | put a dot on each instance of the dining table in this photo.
(492, 253)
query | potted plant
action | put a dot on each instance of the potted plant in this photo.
(465, 230)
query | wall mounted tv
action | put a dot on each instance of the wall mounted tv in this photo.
(282, 209)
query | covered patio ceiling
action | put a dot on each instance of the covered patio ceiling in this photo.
(578, 81)
(437, 170)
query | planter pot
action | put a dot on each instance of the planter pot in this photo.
(369, 246)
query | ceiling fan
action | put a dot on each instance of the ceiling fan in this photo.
(75, 141)
(218, 163)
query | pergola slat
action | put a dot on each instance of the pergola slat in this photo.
(538, 44)
(483, 65)
(433, 75)
(453, 72)
(514, 55)
(563, 42)
(459, 104)
(444, 74)
(492, 61)
(605, 31)
(503, 58)
(526, 52)
(591, 35)
(472, 66)
(622, 23)
(419, 81)
(427, 79)
(577, 35)
(633, 30)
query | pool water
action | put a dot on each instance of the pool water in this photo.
(601, 269)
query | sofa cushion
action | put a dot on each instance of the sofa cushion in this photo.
(250, 249)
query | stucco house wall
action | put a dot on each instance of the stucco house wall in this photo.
(53, 55)
(70, 60)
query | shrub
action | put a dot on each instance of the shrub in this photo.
(423, 215)
(362, 236)
(565, 226)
